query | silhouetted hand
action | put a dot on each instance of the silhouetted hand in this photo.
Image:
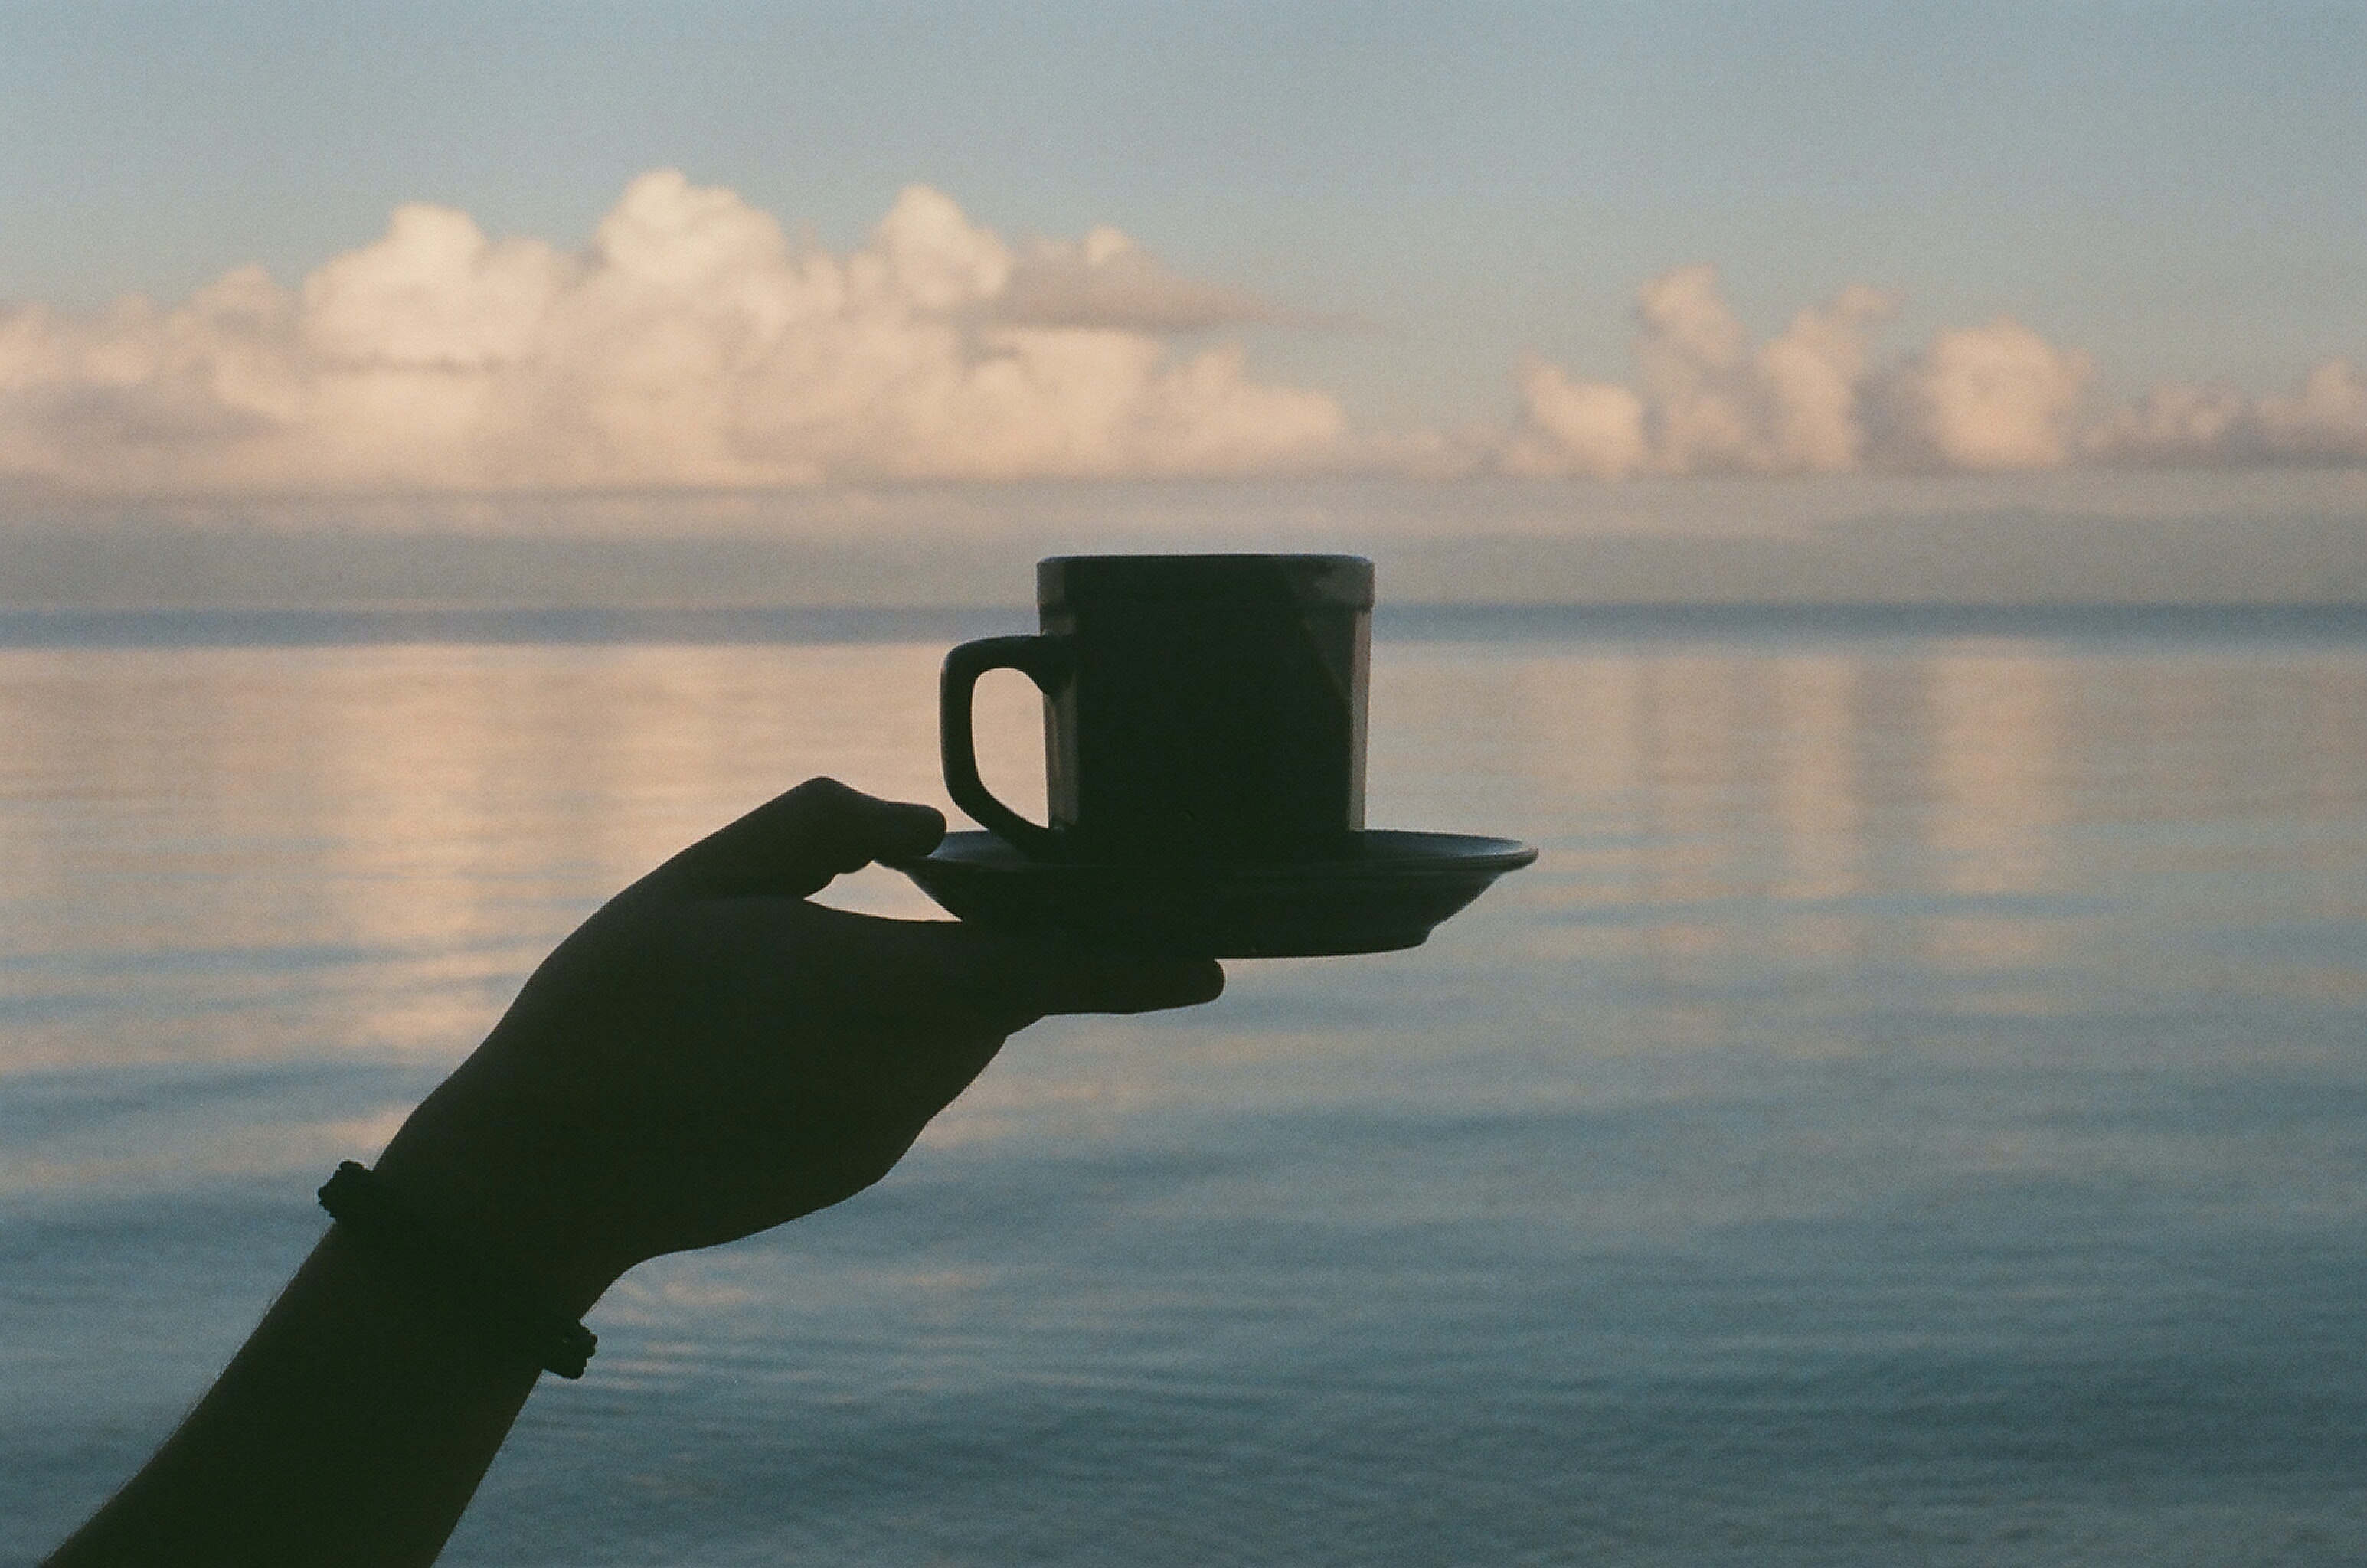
(707, 1056)
(710, 1054)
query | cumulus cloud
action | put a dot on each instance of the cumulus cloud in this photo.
(690, 345)
(1591, 430)
(693, 344)
(1982, 398)
(2323, 419)
(1992, 397)
(1710, 402)
(1805, 402)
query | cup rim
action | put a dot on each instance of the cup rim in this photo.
(1335, 580)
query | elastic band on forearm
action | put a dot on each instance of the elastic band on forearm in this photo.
(356, 1200)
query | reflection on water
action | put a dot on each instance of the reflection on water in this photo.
(1993, 761)
(1913, 1112)
(1817, 789)
(404, 827)
(1993, 793)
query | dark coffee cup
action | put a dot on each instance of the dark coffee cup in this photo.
(1195, 708)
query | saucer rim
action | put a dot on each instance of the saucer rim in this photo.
(1407, 852)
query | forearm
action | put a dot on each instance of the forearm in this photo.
(352, 1429)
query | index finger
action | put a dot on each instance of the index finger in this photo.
(795, 843)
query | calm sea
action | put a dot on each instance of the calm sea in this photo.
(1915, 1111)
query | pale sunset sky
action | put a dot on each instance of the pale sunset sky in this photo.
(357, 251)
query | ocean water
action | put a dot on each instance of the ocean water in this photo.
(1914, 1112)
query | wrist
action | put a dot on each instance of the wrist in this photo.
(498, 1307)
(505, 1204)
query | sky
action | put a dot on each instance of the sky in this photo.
(502, 250)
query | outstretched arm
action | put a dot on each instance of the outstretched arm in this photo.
(707, 1056)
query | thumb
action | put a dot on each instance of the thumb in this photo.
(793, 844)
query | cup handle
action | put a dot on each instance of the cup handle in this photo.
(1042, 659)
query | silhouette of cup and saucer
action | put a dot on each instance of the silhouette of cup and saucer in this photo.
(1204, 763)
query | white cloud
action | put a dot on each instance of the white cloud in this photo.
(1983, 398)
(690, 345)
(693, 345)
(2323, 419)
(1807, 401)
(1713, 405)
(1583, 429)
(1709, 402)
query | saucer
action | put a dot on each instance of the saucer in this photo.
(1388, 892)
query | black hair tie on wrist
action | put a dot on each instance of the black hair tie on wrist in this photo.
(355, 1199)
